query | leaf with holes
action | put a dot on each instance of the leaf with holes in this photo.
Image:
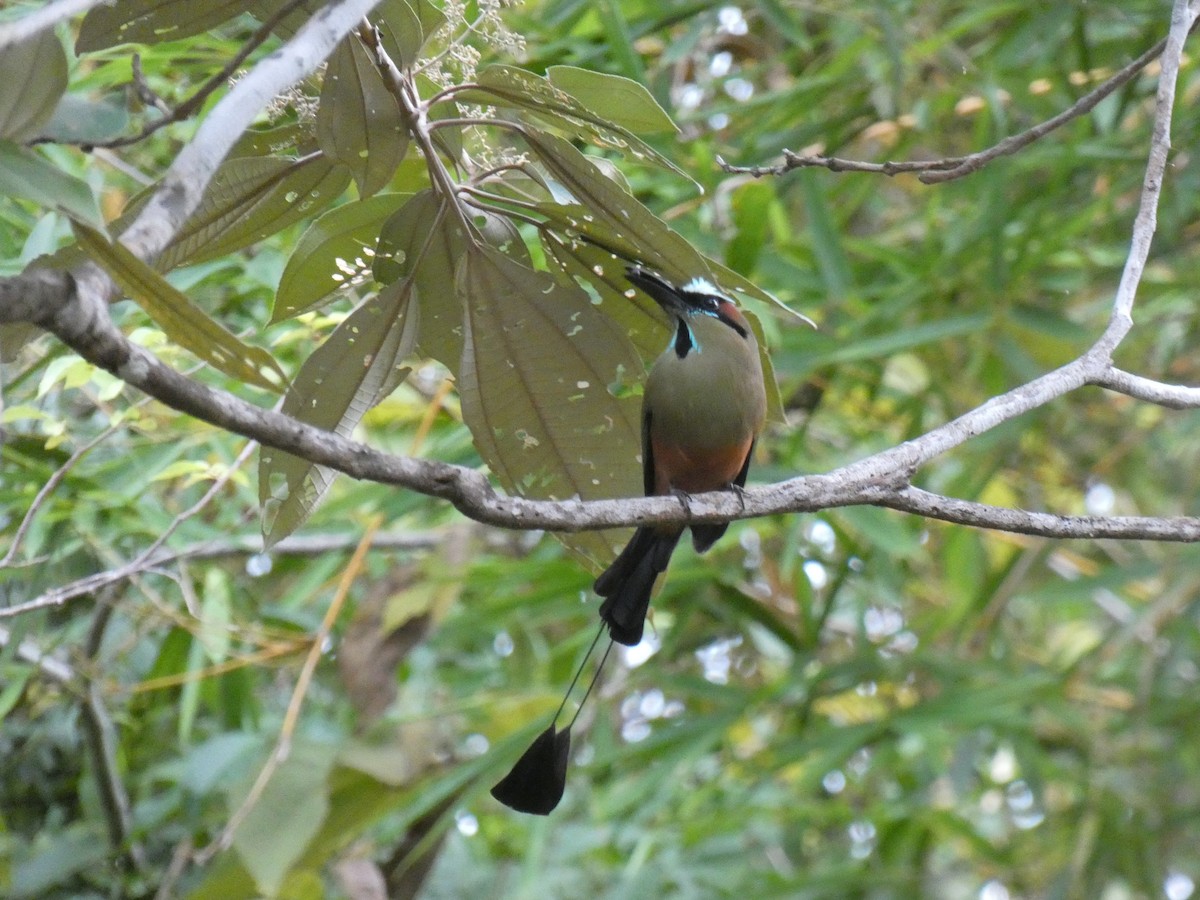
(151, 21)
(358, 365)
(608, 216)
(178, 317)
(620, 100)
(547, 104)
(330, 254)
(538, 363)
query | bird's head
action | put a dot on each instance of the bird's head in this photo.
(696, 297)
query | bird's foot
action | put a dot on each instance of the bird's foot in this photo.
(685, 500)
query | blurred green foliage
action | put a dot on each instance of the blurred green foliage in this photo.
(850, 704)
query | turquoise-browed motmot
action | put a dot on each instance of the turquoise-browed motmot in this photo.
(703, 407)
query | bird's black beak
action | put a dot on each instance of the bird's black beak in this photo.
(657, 288)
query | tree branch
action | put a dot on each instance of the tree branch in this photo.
(935, 171)
(69, 299)
(79, 316)
(982, 515)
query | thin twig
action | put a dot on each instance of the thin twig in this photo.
(933, 171)
(192, 104)
(142, 562)
(46, 489)
(1182, 20)
(982, 515)
(101, 736)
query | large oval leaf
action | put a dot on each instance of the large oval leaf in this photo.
(621, 100)
(424, 240)
(401, 31)
(359, 122)
(151, 21)
(518, 89)
(538, 363)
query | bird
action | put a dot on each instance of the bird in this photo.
(703, 407)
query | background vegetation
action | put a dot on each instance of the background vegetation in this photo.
(855, 703)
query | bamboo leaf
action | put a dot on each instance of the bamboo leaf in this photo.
(24, 173)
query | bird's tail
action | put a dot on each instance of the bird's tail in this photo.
(627, 583)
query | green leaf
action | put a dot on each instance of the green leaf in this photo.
(826, 241)
(359, 122)
(216, 616)
(401, 31)
(151, 21)
(516, 88)
(56, 862)
(610, 217)
(615, 220)
(425, 240)
(251, 198)
(34, 75)
(751, 203)
(356, 367)
(25, 174)
(639, 317)
(335, 247)
(12, 686)
(620, 100)
(537, 364)
(175, 314)
(817, 350)
(272, 837)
